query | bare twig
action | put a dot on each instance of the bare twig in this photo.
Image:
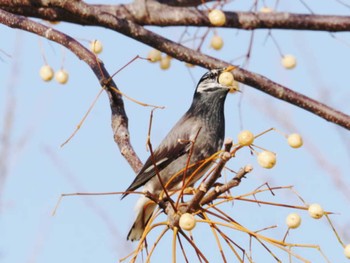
(102, 16)
(156, 14)
(119, 117)
(213, 194)
(206, 185)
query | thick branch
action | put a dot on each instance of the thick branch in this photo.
(217, 191)
(119, 118)
(127, 27)
(205, 186)
(157, 14)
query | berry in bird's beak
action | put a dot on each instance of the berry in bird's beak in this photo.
(226, 79)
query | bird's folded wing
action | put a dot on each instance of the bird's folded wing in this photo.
(162, 157)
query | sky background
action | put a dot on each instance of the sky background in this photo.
(94, 229)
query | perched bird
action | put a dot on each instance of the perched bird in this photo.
(201, 128)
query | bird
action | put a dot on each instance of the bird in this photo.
(196, 136)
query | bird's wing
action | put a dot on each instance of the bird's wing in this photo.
(169, 150)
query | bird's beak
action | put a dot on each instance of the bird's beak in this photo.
(229, 68)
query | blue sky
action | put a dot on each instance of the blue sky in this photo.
(93, 229)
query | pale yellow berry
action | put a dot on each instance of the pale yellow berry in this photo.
(217, 17)
(226, 78)
(267, 159)
(289, 61)
(316, 211)
(46, 73)
(61, 76)
(293, 220)
(187, 221)
(216, 42)
(245, 138)
(96, 46)
(347, 251)
(154, 55)
(266, 9)
(165, 62)
(295, 140)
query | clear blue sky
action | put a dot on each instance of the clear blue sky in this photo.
(93, 229)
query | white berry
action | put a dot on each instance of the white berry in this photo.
(217, 17)
(217, 42)
(154, 55)
(96, 46)
(61, 76)
(293, 220)
(267, 159)
(245, 138)
(295, 140)
(347, 251)
(165, 62)
(289, 61)
(187, 221)
(226, 78)
(266, 9)
(316, 211)
(46, 73)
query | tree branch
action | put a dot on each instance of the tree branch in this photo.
(217, 191)
(205, 186)
(119, 117)
(157, 14)
(93, 15)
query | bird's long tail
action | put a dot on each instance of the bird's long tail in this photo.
(144, 209)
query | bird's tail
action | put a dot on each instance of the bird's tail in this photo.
(144, 209)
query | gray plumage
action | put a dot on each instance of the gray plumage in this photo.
(204, 119)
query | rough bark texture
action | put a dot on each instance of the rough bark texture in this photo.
(130, 20)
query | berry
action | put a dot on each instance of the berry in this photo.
(289, 61)
(245, 138)
(217, 17)
(267, 159)
(165, 62)
(293, 220)
(46, 73)
(316, 211)
(226, 79)
(96, 46)
(266, 9)
(61, 76)
(295, 140)
(154, 55)
(187, 221)
(216, 42)
(347, 251)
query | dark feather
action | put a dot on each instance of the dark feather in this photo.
(169, 150)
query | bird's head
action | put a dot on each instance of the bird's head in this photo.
(209, 83)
